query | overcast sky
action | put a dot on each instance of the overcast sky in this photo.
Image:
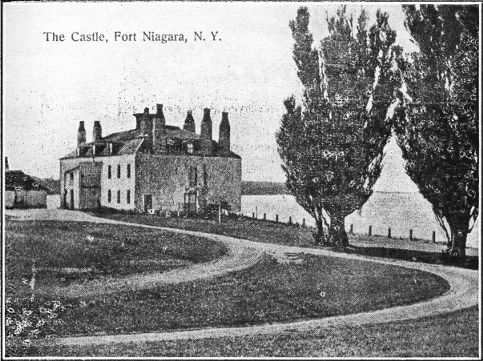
(50, 86)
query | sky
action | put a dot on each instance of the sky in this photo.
(48, 87)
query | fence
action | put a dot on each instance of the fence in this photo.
(369, 231)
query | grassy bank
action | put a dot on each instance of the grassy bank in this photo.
(72, 251)
(242, 227)
(292, 235)
(451, 335)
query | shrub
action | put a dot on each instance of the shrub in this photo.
(27, 319)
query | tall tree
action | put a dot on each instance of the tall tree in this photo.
(332, 147)
(438, 124)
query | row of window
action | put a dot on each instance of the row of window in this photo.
(193, 176)
(128, 171)
(118, 196)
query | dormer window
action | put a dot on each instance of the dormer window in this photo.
(110, 148)
(189, 148)
(93, 149)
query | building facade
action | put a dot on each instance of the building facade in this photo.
(153, 167)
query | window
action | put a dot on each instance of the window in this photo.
(109, 196)
(129, 170)
(193, 176)
(190, 148)
(119, 196)
(109, 171)
(128, 196)
(205, 176)
(118, 171)
(72, 176)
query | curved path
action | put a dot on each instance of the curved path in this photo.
(462, 294)
(237, 258)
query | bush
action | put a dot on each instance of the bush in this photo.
(28, 319)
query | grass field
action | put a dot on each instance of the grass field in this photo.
(451, 335)
(68, 251)
(280, 233)
(269, 292)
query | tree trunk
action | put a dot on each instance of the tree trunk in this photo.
(337, 231)
(459, 242)
(319, 236)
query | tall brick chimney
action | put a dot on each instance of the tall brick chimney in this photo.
(224, 134)
(189, 123)
(159, 131)
(206, 125)
(206, 132)
(81, 133)
(97, 131)
(144, 125)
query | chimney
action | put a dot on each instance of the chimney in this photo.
(144, 126)
(159, 110)
(97, 131)
(6, 165)
(189, 122)
(206, 133)
(159, 131)
(224, 134)
(81, 133)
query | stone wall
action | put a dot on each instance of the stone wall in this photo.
(90, 185)
(166, 179)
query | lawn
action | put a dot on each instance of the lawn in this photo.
(75, 251)
(271, 291)
(451, 335)
(291, 235)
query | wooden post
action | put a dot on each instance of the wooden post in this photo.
(276, 218)
(219, 212)
(253, 215)
(264, 216)
(303, 222)
(434, 237)
(290, 220)
(370, 230)
(352, 229)
(410, 234)
(389, 232)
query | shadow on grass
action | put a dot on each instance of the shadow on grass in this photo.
(470, 262)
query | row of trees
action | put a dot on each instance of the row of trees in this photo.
(359, 89)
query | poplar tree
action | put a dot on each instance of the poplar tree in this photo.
(332, 146)
(438, 123)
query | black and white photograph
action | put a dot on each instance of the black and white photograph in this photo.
(241, 179)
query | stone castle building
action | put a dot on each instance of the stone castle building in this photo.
(153, 167)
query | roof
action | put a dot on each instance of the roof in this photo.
(17, 178)
(130, 141)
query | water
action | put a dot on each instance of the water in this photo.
(401, 211)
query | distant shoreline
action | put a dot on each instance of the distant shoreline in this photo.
(248, 188)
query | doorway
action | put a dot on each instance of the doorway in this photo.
(71, 199)
(148, 202)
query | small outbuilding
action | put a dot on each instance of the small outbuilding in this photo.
(23, 191)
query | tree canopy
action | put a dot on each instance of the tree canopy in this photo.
(437, 124)
(332, 146)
